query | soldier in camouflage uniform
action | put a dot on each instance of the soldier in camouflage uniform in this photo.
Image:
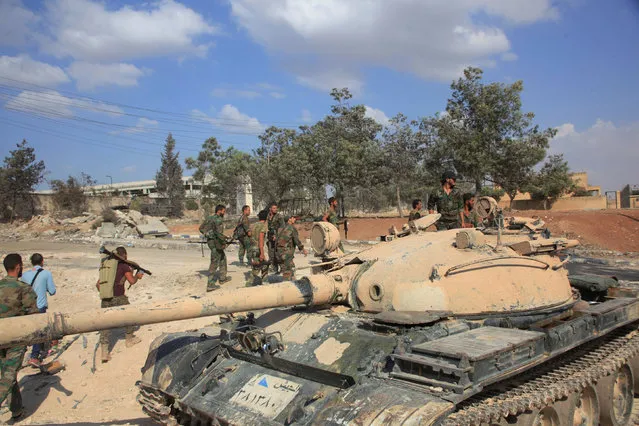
(331, 216)
(258, 253)
(275, 222)
(287, 240)
(16, 298)
(243, 235)
(213, 230)
(471, 217)
(448, 202)
(416, 212)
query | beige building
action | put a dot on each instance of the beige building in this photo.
(580, 179)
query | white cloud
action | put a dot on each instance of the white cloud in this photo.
(89, 31)
(431, 39)
(277, 95)
(88, 75)
(608, 152)
(230, 119)
(377, 115)
(128, 169)
(26, 70)
(232, 93)
(50, 103)
(15, 23)
(306, 116)
(509, 56)
(143, 125)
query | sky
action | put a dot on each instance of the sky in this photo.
(96, 86)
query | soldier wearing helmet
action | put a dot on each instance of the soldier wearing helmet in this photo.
(448, 202)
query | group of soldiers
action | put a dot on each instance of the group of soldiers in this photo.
(268, 244)
(457, 210)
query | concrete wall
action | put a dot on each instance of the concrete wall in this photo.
(95, 204)
(569, 203)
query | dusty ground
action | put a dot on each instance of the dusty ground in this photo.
(107, 395)
(605, 229)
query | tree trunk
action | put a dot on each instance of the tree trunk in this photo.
(546, 203)
(512, 198)
(13, 207)
(478, 185)
(399, 201)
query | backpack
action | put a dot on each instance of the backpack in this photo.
(239, 232)
(106, 281)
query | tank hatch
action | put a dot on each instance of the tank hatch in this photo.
(467, 360)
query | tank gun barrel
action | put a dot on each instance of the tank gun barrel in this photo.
(30, 329)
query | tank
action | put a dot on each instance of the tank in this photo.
(459, 327)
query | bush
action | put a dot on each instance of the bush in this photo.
(135, 204)
(108, 215)
(98, 222)
(191, 205)
(68, 196)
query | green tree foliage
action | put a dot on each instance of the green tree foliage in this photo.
(280, 165)
(204, 164)
(169, 178)
(69, 196)
(552, 180)
(18, 178)
(485, 135)
(342, 148)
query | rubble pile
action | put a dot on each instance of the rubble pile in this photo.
(131, 224)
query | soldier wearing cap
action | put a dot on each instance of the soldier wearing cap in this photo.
(287, 240)
(448, 202)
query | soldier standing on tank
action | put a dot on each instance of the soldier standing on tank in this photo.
(16, 298)
(213, 230)
(243, 235)
(448, 202)
(471, 217)
(258, 252)
(287, 240)
(123, 275)
(331, 216)
(416, 212)
(275, 222)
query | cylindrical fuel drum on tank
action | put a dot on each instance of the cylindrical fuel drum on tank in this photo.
(324, 237)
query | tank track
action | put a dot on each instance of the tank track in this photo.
(549, 382)
(156, 405)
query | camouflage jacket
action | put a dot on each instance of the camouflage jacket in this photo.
(16, 298)
(332, 217)
(414, 214)
(287, 240)
(213, 230)
(242, 228)
(275, 222)
(256, 229)
(473, 218)
(448, 205)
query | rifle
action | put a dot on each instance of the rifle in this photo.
(203, 242)
(346, 229)
(138, 268)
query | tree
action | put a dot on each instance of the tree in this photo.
(342, 148)
(169, 178)
(485, 135)
(204, 164)
(279, 165)
(552, 180)
(402, 151)
(19, 176)
(69, 196)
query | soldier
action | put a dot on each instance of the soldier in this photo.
(16, 298)
(287, 240)
(123, 274)
(331, 216)
(448, 202)
(258, 253)
(213, 230)
(471, 217)
(243, 235)
(416, 212)
(275, 222)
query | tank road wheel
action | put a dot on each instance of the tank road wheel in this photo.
(616, 396)
(547, 416)
(586, 408)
